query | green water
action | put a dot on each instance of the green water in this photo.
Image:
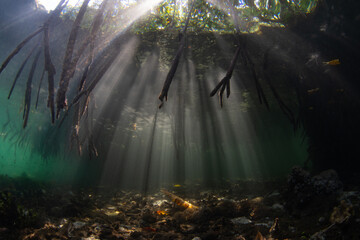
(190, 140)
(266, 148)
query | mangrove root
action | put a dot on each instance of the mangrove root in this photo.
(67, 64)
(70, 62)
(28, 90)
(225, 82)
(175, 62)
(21, 69)
(50, 69)
(38, 92)
(19, 47)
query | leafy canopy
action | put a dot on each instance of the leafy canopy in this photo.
(207, 16)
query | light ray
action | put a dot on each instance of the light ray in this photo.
(51, 4)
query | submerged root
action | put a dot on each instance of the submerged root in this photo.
(225, 82)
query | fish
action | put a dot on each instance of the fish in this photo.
(177, 185)
(179, 201)
(332, 62)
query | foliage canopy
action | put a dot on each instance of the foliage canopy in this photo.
(207, 16)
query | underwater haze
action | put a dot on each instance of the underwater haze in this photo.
(191, 139)
(104, 103)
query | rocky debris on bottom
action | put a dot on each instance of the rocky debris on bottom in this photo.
(241, 210)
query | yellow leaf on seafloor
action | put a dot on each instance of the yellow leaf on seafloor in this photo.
(162, 213)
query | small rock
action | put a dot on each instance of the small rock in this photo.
(186, 228)
(278, 206)
(240, 220)
(158, 203)
(225, 208)
(319, 191)
(196, 238)
(268, 225)
(350, 195)
(274, 194)
(78, 224)
(327, 182)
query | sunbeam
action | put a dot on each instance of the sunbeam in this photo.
(51, 4)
